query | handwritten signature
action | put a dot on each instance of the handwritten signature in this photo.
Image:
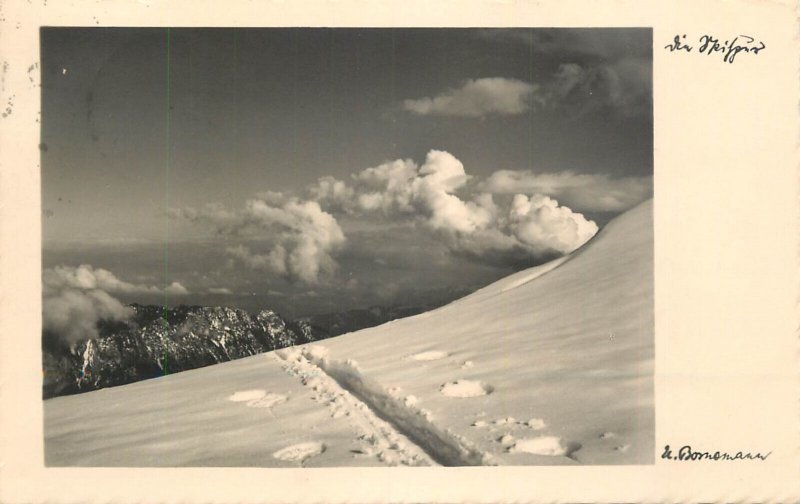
(686, 453)
(709, 45)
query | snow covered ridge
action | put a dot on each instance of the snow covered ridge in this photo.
(560, 373)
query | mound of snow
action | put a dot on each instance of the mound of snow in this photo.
(300, 452)
(465, 388)
(505, 421)
(268, 401)
(247, 395)
(545, 445)
(536, 424)
(430, 355)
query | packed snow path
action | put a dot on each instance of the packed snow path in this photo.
(379, 438)
(388, 421)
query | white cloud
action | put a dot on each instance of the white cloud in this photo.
(334, 193)
(531, 231)
(477, 98)
(176, 289)
(75, 299)
(219, 290)
(72, 314)
(527, 230)
(595, 192)
(622, 85)
(541, 224)
(275, 260)
(305, 237)
(86, 277)
(401, 188)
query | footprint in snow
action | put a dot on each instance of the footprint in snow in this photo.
(258, 398)
(269, 400)
(430, 355)
(465, 388)
(545, 445)
(536, 423)
(505, 421)
(410, 400)
(300, 452)
(247, 395)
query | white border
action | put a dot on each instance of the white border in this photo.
(726, 208)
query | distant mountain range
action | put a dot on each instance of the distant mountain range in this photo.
(158, 341)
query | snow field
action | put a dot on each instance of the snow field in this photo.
(522, 372)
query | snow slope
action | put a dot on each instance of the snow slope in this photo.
(551, 365)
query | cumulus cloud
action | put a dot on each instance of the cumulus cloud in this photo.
(219, 290)
(305, 238)
(587, 192)
(477, 98)
(531, 231)
(401, 187)
(527, 230)
(540, 223)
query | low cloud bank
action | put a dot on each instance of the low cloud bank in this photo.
(75, 299)
(587, 192)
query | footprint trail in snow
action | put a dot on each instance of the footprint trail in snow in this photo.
(385, 420)
(375, 436)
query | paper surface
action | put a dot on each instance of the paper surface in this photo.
(725, 210)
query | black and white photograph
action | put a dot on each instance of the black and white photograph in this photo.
(347, 247)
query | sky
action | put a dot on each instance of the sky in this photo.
(318, 170)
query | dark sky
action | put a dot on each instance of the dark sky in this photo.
(140, 121)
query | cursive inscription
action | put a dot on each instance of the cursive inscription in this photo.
(686, 453)
(710, 45)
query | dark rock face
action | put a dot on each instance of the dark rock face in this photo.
(156, 342)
